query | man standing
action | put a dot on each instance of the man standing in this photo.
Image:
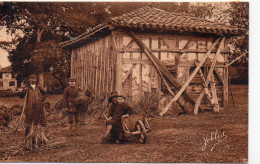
(34, 113)
(69, 101)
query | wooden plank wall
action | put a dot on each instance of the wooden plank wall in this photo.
(93, 66)
(144, 77)
(102, 65)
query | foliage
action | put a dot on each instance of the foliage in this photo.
(35, 26)
(47, 56)
(240, 18)
(147, 104)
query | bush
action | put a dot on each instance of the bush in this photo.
(147, 105)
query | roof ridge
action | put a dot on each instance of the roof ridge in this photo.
(153, 18)
(194, 17)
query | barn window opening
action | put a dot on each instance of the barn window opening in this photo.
(1, 75)
(1, 84)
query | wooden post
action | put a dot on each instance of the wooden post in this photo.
(189, 79)
(230, 88)
(205, 90)
(160, 67)
(140, 78)
(225, 85)
(236, 59)
(119, 73)
(214, 94)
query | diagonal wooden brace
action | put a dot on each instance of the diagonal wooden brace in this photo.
(189, 79)
(160, 68)
(128, 73)
(210, 74)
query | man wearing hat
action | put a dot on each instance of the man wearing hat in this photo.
(34, 113)
(69, 101)
(116, 111)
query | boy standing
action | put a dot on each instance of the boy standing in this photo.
(69, 101)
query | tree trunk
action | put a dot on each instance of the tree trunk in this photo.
(60, 80)
(39, 34)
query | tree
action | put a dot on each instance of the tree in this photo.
(239, 12)
(36, 51)
(43, 25)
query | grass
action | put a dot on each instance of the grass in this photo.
(173, 139)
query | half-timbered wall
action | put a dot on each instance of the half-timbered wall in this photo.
(116, 62)
(137, 75)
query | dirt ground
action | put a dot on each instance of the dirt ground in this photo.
(204, 138)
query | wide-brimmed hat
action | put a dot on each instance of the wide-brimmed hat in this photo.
(113, 94)
(32, 76)
(72, 79)
(121, 96)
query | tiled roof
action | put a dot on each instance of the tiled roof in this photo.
(90, 31)
(154, 18)
(6, 70)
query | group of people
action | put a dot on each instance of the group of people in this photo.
(72, 104)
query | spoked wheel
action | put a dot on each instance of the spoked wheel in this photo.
(142, 136)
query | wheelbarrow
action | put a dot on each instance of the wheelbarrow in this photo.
(135, 125)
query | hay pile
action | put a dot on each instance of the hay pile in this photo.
(22, 147)
(55, 115)
(9, 115)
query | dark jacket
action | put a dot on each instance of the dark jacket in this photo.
(117, 110)
(34, 112)
(69, 96)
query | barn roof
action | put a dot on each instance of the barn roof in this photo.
(150, 18)
(6, 69)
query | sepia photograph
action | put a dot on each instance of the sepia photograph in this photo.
(124, 82)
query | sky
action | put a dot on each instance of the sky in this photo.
(4, 62)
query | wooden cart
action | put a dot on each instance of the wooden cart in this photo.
(136, 125)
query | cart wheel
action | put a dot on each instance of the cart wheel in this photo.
(142, 136)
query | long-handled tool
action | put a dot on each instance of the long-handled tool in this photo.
(19, 121)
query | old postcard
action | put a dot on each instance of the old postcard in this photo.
(119, 82)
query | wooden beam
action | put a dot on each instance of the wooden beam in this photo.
(218, 75)
(165, 43)
(225, 85)
(129, 45)
(186, 71)
(128, 73)
(189, 79)
(239, 57)
(205, 90)
(160, 68)
(230, 88)
(214, 94)
(119, 73)
(165, 72)
(121, 50)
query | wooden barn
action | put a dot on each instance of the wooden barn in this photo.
(178, 57)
